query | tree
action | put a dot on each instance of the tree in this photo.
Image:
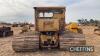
(92, 21)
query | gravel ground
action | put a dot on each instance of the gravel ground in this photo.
(91, 38)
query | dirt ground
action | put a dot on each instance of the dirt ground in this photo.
(91, 38)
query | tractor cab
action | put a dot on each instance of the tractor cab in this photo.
(49, 18)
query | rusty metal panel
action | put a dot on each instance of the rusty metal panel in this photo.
(48, 24)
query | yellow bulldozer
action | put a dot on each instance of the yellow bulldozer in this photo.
(73, 27)
(50, 32)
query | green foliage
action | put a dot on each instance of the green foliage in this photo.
(88, 22)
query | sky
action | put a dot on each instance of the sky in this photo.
(22, 10)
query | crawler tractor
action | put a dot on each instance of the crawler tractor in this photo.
(50, 32)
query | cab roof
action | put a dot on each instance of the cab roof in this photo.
(48, 8)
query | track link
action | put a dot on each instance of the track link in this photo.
(71, 39)
(25, 43)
